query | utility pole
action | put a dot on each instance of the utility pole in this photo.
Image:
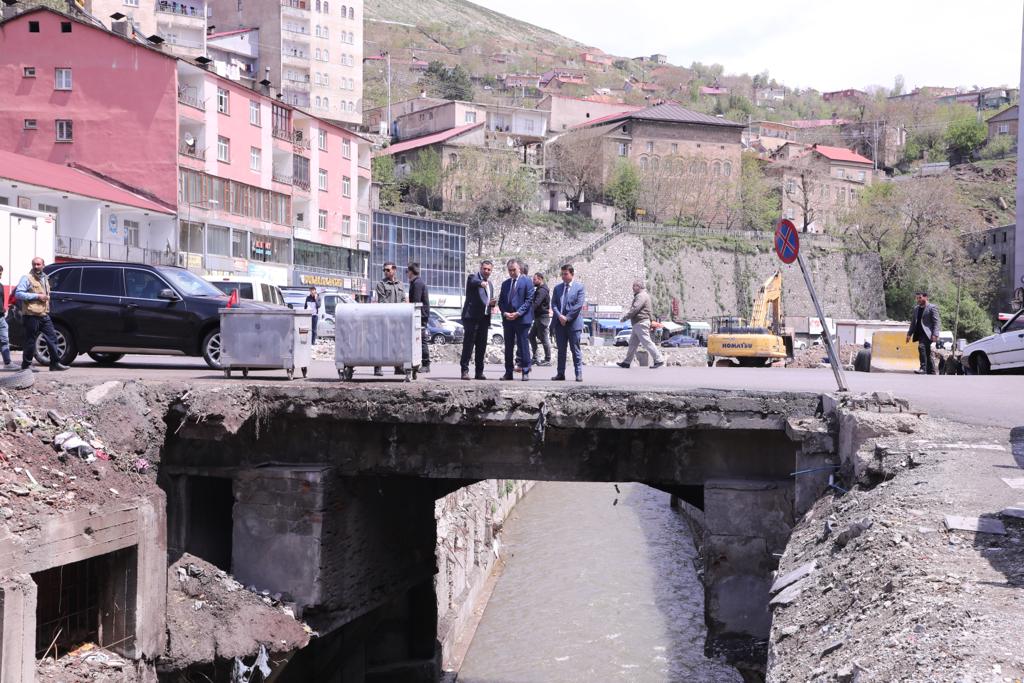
(387, 55)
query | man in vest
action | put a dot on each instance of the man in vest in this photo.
(33, 293)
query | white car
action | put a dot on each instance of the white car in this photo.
(1000, 351)
(250, 288)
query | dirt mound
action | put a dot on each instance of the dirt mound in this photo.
(211, 617)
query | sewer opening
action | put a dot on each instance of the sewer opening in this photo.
(89, 601)
(208, 508)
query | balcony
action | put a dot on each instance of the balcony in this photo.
(282, 134)
(76, 247)
(296, 84)
(301, 183)
(191, 151)
(192, 98)
(297, 34)
(283, 178)
(295, 57)
(295, 8)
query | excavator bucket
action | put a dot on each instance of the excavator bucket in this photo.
(891, 352)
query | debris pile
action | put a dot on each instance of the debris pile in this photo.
(88, 662)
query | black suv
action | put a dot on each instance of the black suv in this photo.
(110, 309)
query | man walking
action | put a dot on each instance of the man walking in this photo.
(312, 304)
(540, 331)
(516, 306)
(924, 329)
(33, 293)
(640, 315)
(476, 318)
(5, 337)
(567, 304)
(418, 294)
(389, 291)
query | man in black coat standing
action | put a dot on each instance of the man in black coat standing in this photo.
(476, 318)
(418, 294)
(924, 329)
(541, 319)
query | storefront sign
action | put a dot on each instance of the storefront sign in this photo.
(324, 281)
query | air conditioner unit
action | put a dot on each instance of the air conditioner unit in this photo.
(298, 136)
(182, 259)
(300, 218)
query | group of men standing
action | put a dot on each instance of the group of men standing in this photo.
(528, 312)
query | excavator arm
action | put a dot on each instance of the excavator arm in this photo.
(768, 304)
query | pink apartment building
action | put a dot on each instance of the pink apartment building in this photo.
(260, 187)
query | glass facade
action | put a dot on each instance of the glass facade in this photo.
(438, 246)
(336, 260)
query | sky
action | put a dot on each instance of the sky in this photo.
(822, 44)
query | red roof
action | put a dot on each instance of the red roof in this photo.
(32, 171)
(224, 34)
(841, 154)
(427, 140)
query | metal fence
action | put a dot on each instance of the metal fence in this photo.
(76, 247)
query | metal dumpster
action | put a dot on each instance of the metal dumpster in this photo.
(265, 339)
(384, 335)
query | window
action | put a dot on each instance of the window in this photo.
(316, 78)
(346, 186)
(675, 148)
(346, 225)
(319, 55)
(840, 173)
(453, 160)
(103, 281)
(300, 170)
(326, 6)
(316, 30)
(223, 100)
(727, 169)
(650, 148)
(321, 220)
(322, 180)
(66, 280)
(254, 112)
(33, 27)
(364, 226)
(29, 72)
(351, 13)
(255, 158)
(623, 149)
(65, 27)
(131, 231)
(326, 79)
(344, 12)
(223, 149)
(346, 148)
(30, 124)
(321, 139)
(791, 186)
(318, 102)
(643, 163)
(62, 79)
(860, 176)
(327, 104)
(1004, 128)
(1004, 259)
(142, 284)
(324, 33)
(64, 132)
(131, 3)
(458, 191)
(716, 168)
(327, 55)
(470, 117)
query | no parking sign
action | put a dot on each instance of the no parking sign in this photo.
(787, 241)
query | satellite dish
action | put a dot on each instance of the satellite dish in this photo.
(189, 140)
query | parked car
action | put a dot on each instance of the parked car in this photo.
(680, 341)
(622, 338)
(109, 309)
(1000, 351)
(251, 288)
(442, 331)
(329, 300)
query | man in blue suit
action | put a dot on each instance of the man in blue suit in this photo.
(567, 323)
(516, 305)
(476, 318)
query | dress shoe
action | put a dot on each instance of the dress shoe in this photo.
(378, 372)
(465, 374)
(918, 372)
(507, 377)
(480, 376)
(558, 378)
(657, 365)
(526, 376)
(543, 363)
(623, 365)
(57, 367)
(425, 369)
(579, 378)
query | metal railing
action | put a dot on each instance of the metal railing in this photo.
(656, 229)
(282, 134)
(192, 99)
(76, 247)
(295, 4)
(589, 250)
(320, 270)
(281, 178)
(303, 32)
(191, 151)
(301, 183)
(180, 9)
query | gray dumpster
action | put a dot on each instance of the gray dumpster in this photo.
(265, 339)
(384, 335)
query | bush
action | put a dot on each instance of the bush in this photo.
(998, 147)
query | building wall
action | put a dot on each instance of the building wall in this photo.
(999, 243)
(373, 117)
(439, 118)
(567, 112)
(122, 98)
(831, 196)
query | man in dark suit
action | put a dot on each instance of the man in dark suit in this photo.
(925, 326)
(476, 318)
(567, 323)
(516, 305)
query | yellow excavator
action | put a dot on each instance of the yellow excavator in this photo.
(757, 343)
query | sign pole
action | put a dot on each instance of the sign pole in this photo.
(833, 357)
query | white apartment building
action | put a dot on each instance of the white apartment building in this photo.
(181, 24)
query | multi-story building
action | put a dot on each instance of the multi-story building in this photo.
(1000, 244)
(883, 142)
(259, 186)
(180, 24)
(848, 94)
(235, 55)
(374, 119)
(566, 112)
(310, 50)
(819, 184)
(438, 246)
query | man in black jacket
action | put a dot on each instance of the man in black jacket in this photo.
(541, 319)
(476, 318)
(925, 326)
(418, 295)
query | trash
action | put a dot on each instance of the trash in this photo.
(851, 532)
(102, 455)
(243, 673)
(198, 605)
(115, 492)
(55, 417)
(976, 524)
(141, 465)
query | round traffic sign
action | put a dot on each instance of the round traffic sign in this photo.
(787, 242)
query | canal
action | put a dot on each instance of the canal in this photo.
(599, 585)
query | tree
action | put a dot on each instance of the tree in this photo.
(426, 177)
(964, 135)
(624, 188)
(383, 170)
(757, 203)
(575, 161)
(800, 189)
(448, 83)
(898, 85)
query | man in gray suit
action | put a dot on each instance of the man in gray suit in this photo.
(567, 302)
(924, 329)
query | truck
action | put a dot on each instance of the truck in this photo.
(24, 234)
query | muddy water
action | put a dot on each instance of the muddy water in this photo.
(594, 591)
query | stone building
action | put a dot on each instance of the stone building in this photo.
(999, 243)
(819, 184)
(1003, 123)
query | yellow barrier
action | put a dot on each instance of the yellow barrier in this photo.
(891, 352)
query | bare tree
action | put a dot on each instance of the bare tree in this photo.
(576, 161)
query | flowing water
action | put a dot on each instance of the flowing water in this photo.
(599, 587)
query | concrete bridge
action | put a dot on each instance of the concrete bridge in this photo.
(327, 495)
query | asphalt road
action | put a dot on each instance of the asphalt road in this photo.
(995, 400)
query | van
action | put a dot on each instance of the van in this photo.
(249, 288)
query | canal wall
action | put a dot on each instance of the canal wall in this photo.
(469, 522)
